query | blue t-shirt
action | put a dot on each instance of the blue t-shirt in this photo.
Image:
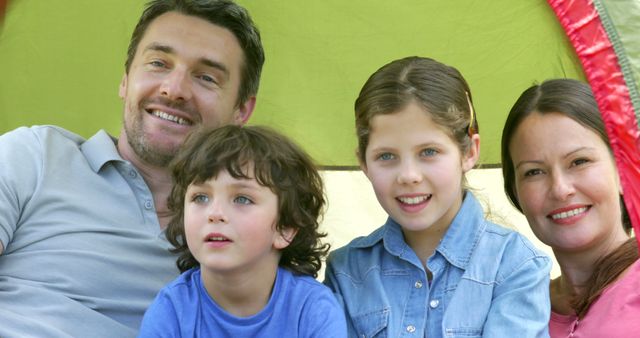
(299, 306)
(487, 281)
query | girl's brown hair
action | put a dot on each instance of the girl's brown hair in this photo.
(439, 89)
(278, 164)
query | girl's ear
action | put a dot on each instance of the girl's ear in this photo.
(362, 163)
(283, 238)
(471, 157)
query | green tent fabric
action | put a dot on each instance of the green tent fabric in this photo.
(61, 61)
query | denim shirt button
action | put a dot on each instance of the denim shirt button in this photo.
(148, 204)
(434, 303)
(411, 329)
(418, 284)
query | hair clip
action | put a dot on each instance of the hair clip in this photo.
(472, 116)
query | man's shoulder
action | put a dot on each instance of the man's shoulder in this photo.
(41, 133)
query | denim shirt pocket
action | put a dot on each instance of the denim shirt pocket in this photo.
(372, 324)
(466, 332)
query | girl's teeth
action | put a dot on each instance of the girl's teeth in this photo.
(413, 200)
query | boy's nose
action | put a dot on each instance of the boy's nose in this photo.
(216, 214)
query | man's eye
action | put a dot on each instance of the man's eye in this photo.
(208, 78)
(158, 64)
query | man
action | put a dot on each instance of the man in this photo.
(82, 247)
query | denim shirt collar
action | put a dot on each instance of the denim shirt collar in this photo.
(456, 246)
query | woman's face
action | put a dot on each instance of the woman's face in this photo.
(567, 184)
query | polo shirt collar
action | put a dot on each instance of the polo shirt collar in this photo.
(100, 149)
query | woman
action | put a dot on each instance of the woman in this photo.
(559, 171)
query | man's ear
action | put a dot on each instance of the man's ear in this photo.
(122, 91)
(244, 111)
(284, 238)
(471, 157)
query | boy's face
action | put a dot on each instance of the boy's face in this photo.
(416, 170)
(230, 226)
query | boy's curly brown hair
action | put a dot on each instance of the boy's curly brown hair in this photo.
(278, 164)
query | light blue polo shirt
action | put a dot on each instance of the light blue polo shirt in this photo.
(84, 254)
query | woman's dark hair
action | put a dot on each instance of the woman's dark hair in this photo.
(278, 164)
(573, 99)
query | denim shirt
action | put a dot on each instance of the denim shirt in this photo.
(487, 281)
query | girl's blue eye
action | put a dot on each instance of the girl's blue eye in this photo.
(242, 200)
(429, 152)
(386, 156)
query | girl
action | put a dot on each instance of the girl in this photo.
(436, 268)
(560, 172)
(246, 203)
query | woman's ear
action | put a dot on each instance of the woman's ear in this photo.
(470, 159)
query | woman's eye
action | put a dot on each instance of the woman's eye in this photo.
(580, 161)
(532, 172)
(242, 200)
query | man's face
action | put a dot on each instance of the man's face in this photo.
(186, 73)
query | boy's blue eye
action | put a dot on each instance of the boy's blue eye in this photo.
(200, 198)
(242, 200)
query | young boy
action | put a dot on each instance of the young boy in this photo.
(246, 203)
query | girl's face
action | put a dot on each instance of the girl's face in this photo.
(230, 225)
(567, 184)
(416, 170)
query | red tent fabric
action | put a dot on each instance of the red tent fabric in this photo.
(594, 46)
